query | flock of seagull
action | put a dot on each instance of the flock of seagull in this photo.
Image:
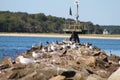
(53, 47)
(50, 49)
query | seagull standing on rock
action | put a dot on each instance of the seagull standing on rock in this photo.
(26, 61)
(53, 48)
(45, 49)
(119, 62)
(74, 46)
(64, 46)
(36, 54)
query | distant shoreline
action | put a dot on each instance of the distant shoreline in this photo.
(90, 36)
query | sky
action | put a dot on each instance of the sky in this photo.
(102, 12)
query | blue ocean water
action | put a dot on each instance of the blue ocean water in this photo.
(13, 45)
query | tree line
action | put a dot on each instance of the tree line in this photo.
(40, 23)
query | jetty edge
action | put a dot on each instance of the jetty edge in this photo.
(63, 60)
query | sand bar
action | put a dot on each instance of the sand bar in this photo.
(91, 36)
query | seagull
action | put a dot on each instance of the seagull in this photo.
(74, 46)
(45, 50)
(26, 61)
(53, 48)
(36, 54)
(64, 46)
(49, 49)
(90, 47)
(33, 45)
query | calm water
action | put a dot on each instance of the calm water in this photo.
(11, 46)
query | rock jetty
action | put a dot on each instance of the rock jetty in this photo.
(64, 60)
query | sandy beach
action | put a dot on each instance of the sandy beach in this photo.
(92, 36)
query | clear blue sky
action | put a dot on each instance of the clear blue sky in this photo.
(103, 12)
